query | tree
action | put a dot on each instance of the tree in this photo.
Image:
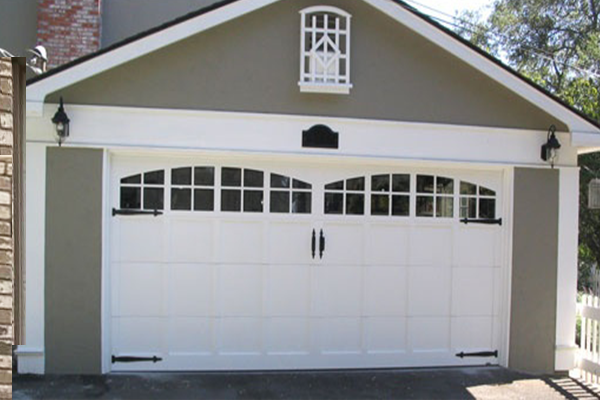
(555, 43)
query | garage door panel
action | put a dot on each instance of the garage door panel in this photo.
(475, 247)
(191, 241)
(429, 291)
(190, 336)
(337, 335)
(336, 290)
(344, 244)
(239, 336)
(385, 335)
(191, 289)
(142, 240)
(287, 290)
(472, 291)
(139, 336)
(388, 245)
(241, 242)
(431, 246)
(140, 290)
(287, 336)
(385, 292)
(239, 290)
(472, 334)
(429, 334)
(290, 243)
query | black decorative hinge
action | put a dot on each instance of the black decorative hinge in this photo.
(156, 213)
(486, 221)
(494, 353)
(127, 359)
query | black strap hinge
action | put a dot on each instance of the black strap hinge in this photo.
(494, 353)
(485, 221)
(129, 359)
(156, 213)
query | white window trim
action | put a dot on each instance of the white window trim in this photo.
(308, 80)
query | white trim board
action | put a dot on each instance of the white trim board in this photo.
(115, 127)
(37, 92)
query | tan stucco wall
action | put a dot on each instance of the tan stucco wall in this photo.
(73, 261)
(534, 270)
(251, 64)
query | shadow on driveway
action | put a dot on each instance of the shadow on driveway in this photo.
(444, 383)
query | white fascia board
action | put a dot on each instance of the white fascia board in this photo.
(37, 92)
(481, 63)
(586, 142)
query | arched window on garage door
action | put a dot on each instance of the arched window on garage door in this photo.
(477, 201)
(145, 191)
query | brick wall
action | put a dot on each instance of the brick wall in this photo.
(69, 29)
(6, 244)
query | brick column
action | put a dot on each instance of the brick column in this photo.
(6, 241)
(69, 29)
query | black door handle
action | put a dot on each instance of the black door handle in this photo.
(313, 243)
(321, 244)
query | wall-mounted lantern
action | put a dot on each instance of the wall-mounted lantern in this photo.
(550, 148)
(61, 123)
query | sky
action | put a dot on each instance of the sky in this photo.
(448, 6)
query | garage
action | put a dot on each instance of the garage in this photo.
(224, 265)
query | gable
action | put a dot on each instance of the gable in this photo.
(251, 64)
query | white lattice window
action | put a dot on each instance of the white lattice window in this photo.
(325, 50)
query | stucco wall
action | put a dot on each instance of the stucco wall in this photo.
(73, 261)
(534, 270)
(251, 64)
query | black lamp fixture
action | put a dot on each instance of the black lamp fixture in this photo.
(61, 123)
(550, 148)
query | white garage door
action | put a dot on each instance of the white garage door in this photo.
(259, 266)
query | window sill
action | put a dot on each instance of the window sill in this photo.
(307, 87)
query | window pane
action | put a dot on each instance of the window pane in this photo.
(253, 178)
(334, 203)
(468, 207)
(487, 208)
(204, 176)
(132, 179)
(355, 204)
(154, 198)
(380, 204)
(181, 199)
(444, 207)
(204, 200)
(131, 198)
(181, 176)
(424, 206)
(468, 188)
(231, 200)
(401, 183)
(280, 181)
(380, 183)
(355, 184)
(301, 203)
(445, 186)
(280, 202)
(253, 201)
(425, 184)
(335, 186)
(301, 185)
(401, 206)
(231, 177)
(486, 192)
(154, 178)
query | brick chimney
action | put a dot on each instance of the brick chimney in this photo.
(68, 29)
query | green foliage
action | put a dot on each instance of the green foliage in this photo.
(556, 43)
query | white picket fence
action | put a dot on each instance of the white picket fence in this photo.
(588, 361)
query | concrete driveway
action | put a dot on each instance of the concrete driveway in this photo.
(451, 383)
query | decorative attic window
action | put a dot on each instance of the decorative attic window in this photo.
(325, 50)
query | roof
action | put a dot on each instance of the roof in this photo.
(384, 5)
